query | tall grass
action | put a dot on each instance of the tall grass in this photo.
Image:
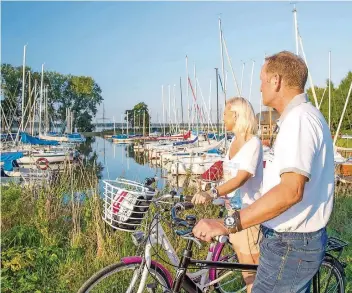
(53, 237)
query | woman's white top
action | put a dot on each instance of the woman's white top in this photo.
(249, 158)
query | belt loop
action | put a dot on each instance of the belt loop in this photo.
(305, 239)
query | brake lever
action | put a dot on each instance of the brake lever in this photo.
(194, 239)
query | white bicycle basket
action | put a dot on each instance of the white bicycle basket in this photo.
(125, 203)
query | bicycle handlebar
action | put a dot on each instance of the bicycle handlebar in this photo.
(184, 204)
(188, 224)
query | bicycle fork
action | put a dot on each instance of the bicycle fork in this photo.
(137, 273)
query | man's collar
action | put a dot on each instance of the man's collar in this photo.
(297, 100)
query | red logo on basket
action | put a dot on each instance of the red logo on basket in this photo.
(118, 200)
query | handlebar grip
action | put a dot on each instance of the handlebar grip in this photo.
(149, 181)
(188, 205)
(221, 238)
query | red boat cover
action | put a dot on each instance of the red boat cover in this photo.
(214, 173)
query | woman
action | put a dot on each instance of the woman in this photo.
(243, 176)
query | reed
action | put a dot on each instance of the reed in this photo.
(53, 236)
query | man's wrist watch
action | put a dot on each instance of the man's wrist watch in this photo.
(214, 192)
(233, 222)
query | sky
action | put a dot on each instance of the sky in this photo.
(132, 49)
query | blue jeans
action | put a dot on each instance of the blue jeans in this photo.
(288, 261)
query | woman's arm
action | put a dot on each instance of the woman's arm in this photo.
(234, 183)
(241, 178)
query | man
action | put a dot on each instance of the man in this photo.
(298, 185)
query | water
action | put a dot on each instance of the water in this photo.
(236, 200)
(119, 160)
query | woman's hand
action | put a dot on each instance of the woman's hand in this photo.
(201, 197)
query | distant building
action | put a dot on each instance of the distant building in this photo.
(265, 121)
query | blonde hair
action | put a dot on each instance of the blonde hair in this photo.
(245, 121)
(291, 67)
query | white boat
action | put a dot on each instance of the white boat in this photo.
(195, 151)
(50, 157)
(55, 138)
(194, 165)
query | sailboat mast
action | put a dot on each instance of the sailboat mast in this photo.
(47, 109)
(169, 114)
(175, 107)
(295, 27)
(222, 57)
(72, 124)
(195, 102)
(162, 99)
(330, 90)
(143, 123)
(187, 95)
(243, 65)
(149, 115)
(122, 123)
(29, 102)
(181, 105)
(217, 101)
(230, 63)
(250, 87)
(134, 121)
(103, 117)
(209, 110)
(23, 84)
(127, 125)
(41, 100)
(343, 114)
(34, 100)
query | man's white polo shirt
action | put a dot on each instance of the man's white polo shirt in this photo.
(303, 145)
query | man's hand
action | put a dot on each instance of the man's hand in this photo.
(201, 197)
(207, 229)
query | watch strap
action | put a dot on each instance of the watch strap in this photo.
(237, 217)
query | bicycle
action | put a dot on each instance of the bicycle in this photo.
(322, 280)
(215, 272)
(128, 215)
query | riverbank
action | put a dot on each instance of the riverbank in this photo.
(52, 242)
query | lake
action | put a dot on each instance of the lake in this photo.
(120, 160)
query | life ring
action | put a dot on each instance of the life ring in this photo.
(42, 160)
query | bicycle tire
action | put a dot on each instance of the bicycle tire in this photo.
(116, 268)
(338, 273)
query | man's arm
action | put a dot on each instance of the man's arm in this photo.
(277, 200)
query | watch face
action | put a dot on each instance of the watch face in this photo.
(229, 221)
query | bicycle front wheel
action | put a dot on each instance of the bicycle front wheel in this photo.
(121, 277)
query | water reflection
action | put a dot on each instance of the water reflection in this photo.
(119, 160)
(91, 156)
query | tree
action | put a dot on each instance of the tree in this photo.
(136, 115)
(79, 93)
(338, 98)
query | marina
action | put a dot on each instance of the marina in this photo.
(116, 116)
